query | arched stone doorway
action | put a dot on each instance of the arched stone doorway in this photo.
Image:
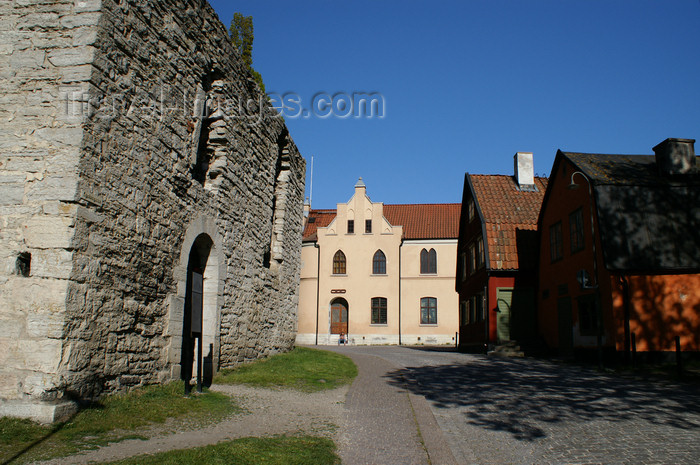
(200, 280)
(339, 316)
(200, 317)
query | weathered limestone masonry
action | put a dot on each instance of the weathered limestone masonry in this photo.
(136, 150)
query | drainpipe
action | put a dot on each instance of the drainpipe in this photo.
(400, 245)
(487, 309)
(318, 283)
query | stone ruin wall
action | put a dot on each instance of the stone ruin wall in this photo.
(106, 177)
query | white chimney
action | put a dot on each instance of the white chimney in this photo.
(524, 169)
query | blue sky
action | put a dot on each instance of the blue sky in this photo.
(467, 84)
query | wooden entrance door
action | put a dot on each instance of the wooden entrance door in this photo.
(339, 317)
(505, 299)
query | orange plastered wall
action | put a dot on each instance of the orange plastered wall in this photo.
(661, 308)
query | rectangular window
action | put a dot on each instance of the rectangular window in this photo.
(576, 230)
(428, 311)
(556, 248)
(351, 226)
(480, 253)
(472, 258)
(463, 264)
(368, 226)
(378, 310)
(479, 307)
(470, 209)
(463, 315)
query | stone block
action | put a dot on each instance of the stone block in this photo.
(54, 187)
(37, 21)
(36, 385)
(83, 6)
(11, 189)
(12, 325)
(38, 355)
(76, 73)
(24, 164)
(46, 232)
(9, 385)
(72, 56)
(59, 208)
(71, 136)
(45, 325)
(80, 20)
(38, 295)
(43, 412)
(115, 364)
(52, 263)
(84, 36)
(27, 59)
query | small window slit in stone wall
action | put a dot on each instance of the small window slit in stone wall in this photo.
(210, 130)
(274, 255)
(23, 264)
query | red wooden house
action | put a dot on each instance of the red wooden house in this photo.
(496, 257)
(620, 251)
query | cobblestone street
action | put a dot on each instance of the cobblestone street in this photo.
(525, 411)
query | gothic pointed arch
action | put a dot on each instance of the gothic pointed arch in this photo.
(379, 262)
(339, 263)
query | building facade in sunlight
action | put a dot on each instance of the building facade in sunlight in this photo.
(496, 272)
(619, 264)
(379, 274)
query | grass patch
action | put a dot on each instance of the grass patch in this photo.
(249, 451)
(304, 369)
(113, 419)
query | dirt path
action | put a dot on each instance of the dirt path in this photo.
(267, 412)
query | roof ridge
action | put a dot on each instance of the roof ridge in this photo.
(418, 204)
(503, 175)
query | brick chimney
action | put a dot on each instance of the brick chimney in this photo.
(675, 156)
(524, 170)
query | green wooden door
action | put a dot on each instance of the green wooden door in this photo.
(504, 299)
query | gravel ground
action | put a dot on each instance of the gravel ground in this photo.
(267, 412)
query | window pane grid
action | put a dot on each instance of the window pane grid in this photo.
(379, 263)
(379, 310)
(556, 248)
(428, 261)
(428, 311)
(339, 263)
(576, 230)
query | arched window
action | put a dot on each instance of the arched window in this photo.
(428, 311)
(379, 263)
(339, 262)
(428, 261)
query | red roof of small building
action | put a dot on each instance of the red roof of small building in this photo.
(419, 221)
(506, 210)
(317, 219)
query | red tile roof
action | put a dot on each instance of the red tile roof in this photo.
(425, 221)
(507, 210)
(317, 219)
(419, 221)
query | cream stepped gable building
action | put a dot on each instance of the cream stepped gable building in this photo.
(380, 274)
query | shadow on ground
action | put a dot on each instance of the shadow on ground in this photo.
(524, 396)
